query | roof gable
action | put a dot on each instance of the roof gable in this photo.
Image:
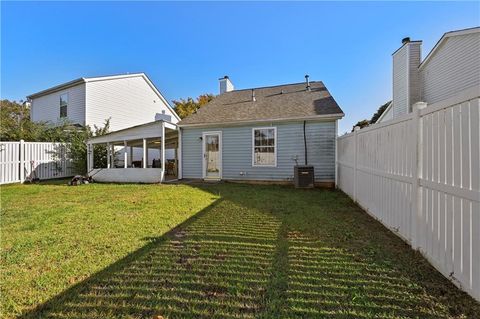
(443, 39)
(275, 103)
(104, 78)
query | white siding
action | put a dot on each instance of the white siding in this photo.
(387, 116)
(414, 60)
(400, 85)
(454, 68)
(406, 78)
(127, 101)
(47, 107)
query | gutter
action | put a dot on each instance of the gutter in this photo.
(326, 117)
(57, 88)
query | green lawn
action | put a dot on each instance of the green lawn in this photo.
(208, 251)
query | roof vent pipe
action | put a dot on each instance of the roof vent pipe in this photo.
(253, 96)
(308, 82)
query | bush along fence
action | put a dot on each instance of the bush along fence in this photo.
(22, 161)
(420, 176)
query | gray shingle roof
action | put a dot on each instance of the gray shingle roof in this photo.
(290, 101)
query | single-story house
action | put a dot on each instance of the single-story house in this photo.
(256, 134)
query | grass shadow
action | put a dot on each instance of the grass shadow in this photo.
(215, 265)
(267, 252)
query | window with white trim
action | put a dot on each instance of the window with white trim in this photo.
(63, 105)
(264, 146)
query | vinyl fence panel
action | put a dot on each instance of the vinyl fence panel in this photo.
(9, 162)
(420, 176)
(24, 160)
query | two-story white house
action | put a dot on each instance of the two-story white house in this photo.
(127, 100)
(451, 69)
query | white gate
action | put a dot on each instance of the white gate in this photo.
(420, 176)
(23, 160)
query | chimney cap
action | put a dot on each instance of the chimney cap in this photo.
(405, 40)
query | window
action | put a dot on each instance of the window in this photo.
(63, 105)
(264, 146)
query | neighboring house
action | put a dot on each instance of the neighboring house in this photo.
(127, 100)
(255, 134)
(450, 69)
(386, 115)
(258, 134)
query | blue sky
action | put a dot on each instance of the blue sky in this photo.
(185, 47)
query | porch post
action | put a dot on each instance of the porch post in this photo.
(145, 152)
(176, 158)
(89, 157)
(179, 146)
(131, 156)
(112, 154)
(125, 155)
(108, 156)
(162, 153)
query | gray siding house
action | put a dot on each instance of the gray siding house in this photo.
(260, 134)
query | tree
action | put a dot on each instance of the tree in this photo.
(379, 112)
(77, 147)
(362, 124)
(15, 122)
(189, 106)
(15, 125)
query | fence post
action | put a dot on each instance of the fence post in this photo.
(417, 174)
(355, 144)
(21, 152)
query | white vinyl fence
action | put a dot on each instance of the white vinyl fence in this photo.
(23, 160)
(420, 176)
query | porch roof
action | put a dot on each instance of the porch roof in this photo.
(138, 132)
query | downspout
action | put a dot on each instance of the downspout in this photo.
(305, 141)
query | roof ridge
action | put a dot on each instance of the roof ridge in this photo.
(273, 86)
(111, 75)
(79, 81)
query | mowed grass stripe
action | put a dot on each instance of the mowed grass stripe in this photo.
(211, 251)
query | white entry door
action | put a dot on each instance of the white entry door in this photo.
(212, 155)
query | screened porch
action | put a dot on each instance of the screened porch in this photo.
(146, 153)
